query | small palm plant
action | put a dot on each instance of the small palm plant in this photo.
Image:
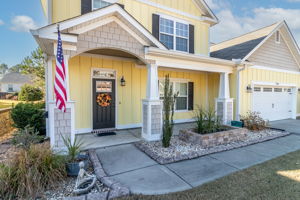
(74, 148)
(168, 104)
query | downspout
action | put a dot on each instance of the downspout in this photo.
(240, 68)
(49, 11)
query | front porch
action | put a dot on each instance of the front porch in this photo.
(127, 136)
(114, 67)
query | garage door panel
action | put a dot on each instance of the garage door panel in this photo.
(274, 103)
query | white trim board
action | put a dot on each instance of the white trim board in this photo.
(156, 5)
(106, 11)
(274, 69)
(273, 84)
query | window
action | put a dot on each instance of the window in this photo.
(101, 3)
(277, 37)
(10, 88)
(180, 88)
(174, 34)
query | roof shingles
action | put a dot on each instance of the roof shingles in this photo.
(238, 51)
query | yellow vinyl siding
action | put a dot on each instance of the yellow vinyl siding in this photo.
(213, 88)
(201, 88)
(128, 97)
(143, 13)
(65, 9)
(250, 74)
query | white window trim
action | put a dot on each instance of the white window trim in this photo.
(174, 19)
(108, 1)
(174, 81)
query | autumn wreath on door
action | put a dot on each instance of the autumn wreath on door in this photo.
(104, 100)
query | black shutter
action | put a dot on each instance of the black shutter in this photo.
(86, 6)
(192, 39)
(155, 26)
(191, 96)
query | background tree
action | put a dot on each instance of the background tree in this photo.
(16, 68)
(35, 65)
(3, 68)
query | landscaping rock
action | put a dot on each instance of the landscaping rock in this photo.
(182, 150)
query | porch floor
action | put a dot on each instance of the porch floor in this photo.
(123, 137)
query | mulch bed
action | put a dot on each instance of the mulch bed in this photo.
(180, 150)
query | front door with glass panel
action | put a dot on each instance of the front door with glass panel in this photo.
(104, 103)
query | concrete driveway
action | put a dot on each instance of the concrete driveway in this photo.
(142, 175)
(290, 125)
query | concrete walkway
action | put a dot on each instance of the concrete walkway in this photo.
(290, 125)
(142, 175)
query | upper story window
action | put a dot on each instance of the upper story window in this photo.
(101, 3)
(174, 34)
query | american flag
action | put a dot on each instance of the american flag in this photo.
(60, 86)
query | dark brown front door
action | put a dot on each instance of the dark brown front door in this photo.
(104, 104)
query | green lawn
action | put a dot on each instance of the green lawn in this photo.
(277, 179)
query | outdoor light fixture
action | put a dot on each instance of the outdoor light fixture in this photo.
(249, 89)
(123, 82)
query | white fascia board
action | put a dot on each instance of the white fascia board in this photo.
(101, 13)
(274, 69)
(64, 37)
(149, 51)
(262, 42)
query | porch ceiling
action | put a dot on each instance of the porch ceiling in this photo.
(112, 52)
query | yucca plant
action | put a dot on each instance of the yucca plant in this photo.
(74, 148)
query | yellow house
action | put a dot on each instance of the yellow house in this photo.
(117, 53)
(268, 83)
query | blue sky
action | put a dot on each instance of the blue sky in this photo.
(236, 17)
(15, 40)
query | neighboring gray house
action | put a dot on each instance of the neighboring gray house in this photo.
(12, 82)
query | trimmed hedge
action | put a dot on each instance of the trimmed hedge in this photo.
(30, 93)
(29, 114)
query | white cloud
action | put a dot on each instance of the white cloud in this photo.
(212, 4)
(1, 22)
(231, 25)
(22, 23)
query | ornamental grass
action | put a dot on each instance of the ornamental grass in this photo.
(31, 172)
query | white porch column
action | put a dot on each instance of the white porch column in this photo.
(152, 107)
(224, 104)
(60, 124)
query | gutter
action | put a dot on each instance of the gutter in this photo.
(240, 67)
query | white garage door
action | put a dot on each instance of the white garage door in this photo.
(274, 103)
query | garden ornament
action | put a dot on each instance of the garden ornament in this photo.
(85, 182)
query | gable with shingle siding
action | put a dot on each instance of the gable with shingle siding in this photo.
(276, 55)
